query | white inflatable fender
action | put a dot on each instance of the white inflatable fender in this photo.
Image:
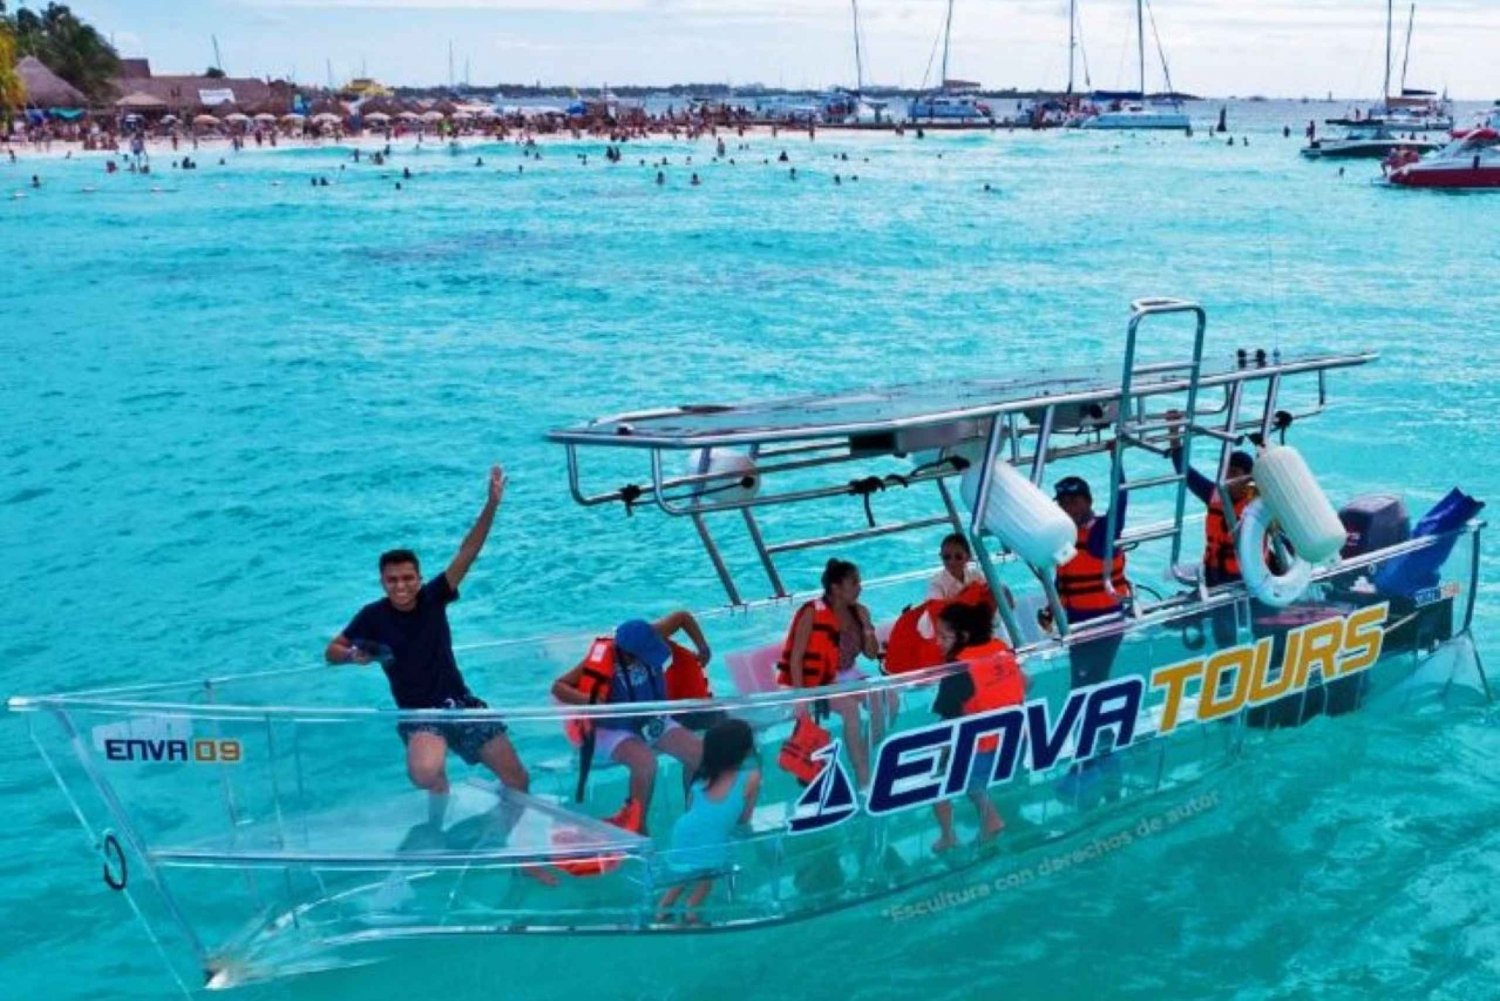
(730, 470)
(1276, 590)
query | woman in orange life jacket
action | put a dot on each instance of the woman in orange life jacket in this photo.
(632, 667)
(825, 639)
(993, 680)
(1080, 581)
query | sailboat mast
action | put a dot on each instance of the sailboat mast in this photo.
(859, 66)
(1140, 43)
(947, 34)
(1389, 14)
(1406, 56)
(1072, 39)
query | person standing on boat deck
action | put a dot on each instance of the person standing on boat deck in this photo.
(993, 681)
(632, 667)
(407, 631)
(1080, 581)
(826, 637)
(1221, 561)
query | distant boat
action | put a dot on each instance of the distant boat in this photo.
(1413, 110)
(1131, 109)
(1366, 140)
(955, 100)
(1466, 164)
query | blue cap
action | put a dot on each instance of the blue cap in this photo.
(639, 639)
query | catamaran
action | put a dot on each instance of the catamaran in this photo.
(262, 825)
(1132, 109)
(955, 100)
(1412, 109)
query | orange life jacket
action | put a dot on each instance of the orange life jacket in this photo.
(684, 678)
(1080, 581)
(631, 817)
(1220, 557)
(906, 649)
(796, 755)
(820, 662)
(998, 682)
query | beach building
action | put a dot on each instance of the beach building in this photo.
(189, 95)
(46, 91)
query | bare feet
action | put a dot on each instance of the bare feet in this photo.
(943, 844)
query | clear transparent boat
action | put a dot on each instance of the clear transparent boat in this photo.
(263, 825)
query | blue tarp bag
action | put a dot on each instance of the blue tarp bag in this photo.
(1405, 575)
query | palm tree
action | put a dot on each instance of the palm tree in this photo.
(12, 94)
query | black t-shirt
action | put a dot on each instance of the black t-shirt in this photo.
(420, 666)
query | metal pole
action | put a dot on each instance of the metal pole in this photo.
(1385, 96)
(859, 66)
(947, 35)
(1140, 45)
(1072, 40)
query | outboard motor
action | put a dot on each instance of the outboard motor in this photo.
(1373, 522)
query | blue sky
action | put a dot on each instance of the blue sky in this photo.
(1285, 48)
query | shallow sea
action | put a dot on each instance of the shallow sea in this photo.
(219, 400)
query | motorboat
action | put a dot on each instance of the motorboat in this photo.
(1366, 141)
(1469, 163)
(1136, 114)
(262, 824)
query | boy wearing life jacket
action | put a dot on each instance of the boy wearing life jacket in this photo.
(993, 680)
(633, 666)
(1080, 581)
(1221, 560)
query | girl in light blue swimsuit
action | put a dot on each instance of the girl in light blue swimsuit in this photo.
(722, 798)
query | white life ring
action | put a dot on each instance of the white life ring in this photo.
(1276, 590)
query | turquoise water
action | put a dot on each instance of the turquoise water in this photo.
(219, 401)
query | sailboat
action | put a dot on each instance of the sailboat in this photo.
(1130, 109)
(1413, 109)
(844, 106)
(955, 99)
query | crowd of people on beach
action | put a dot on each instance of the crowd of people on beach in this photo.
(646, 663)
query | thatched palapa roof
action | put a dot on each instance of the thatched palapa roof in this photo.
(45, 89)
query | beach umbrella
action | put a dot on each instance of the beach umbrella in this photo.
(293, 118)
(408, 116)
(206, 120)
(489, 113)
(238, 117)
(266, 117)
(378, 117)
(432, 116)
(461, 116)
(327, 118)
(165, 119)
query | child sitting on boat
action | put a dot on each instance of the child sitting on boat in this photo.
(633, 666)
(722, 798)
(993, 680)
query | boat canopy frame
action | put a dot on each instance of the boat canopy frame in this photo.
(1030, 422)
